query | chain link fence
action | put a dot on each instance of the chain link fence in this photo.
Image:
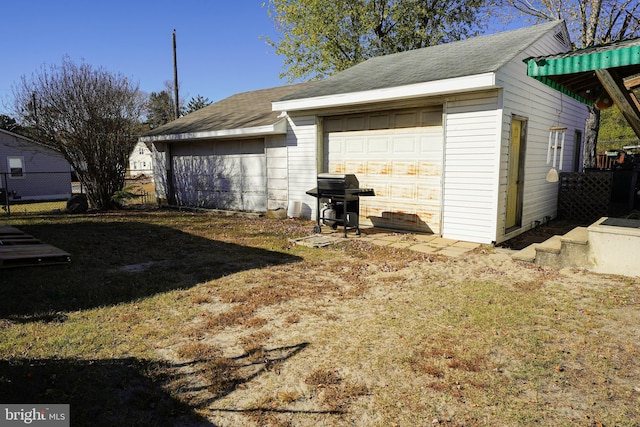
(37, 193)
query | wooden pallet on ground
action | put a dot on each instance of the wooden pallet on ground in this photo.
(18, 249)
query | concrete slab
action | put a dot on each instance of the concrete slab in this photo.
(380, 242)
(423, 243)
(452, 251)
(441, 241)
(425, 249)
(466, 245)
(613, 249)
(316, 240)
(400, 245)
(392, 237)
(424, 238)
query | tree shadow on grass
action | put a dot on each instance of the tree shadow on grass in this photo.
(130, 391)
(113, 392)
(223, 376)
(116, 262)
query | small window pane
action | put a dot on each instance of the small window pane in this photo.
(16, 167)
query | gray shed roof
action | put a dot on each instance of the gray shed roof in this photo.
(244, 110)
(457, 59)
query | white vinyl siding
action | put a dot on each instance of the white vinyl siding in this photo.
(160, 163)
(471, 167)
(277, 181)
(32, 170)
(302, 162)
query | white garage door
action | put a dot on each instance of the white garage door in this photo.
(226, 174)
(399, 155)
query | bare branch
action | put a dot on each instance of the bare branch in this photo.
(90, 116)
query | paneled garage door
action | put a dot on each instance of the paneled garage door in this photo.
(399, 155)
(225, 174)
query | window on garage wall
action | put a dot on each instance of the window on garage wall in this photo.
(16, 166)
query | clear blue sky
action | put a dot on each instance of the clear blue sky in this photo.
(220, 48)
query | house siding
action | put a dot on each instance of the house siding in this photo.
(470, 167)
(277, 181)
(46, 173)
(302, 162)
(160, 162)
(543, 108)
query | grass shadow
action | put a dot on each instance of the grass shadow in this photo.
(131, 391)
(119, 261)
(112, 392)
(223, 376)
(241, 370)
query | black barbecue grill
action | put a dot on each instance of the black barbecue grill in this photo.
(338, 198)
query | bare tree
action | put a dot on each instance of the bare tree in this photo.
(590, 22)
(90, 116)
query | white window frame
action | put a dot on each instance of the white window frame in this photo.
(9, 168)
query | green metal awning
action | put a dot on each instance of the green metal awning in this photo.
(588, 75)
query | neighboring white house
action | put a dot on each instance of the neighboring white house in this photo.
(31, 171)
(140, 161)
(453, 139)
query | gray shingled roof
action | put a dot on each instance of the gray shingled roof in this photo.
(243, 110)
(457, 59)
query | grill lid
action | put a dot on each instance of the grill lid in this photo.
(337, 182)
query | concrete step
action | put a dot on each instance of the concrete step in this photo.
(550, 252)
(578, 236)
(527, 254)
(551, 245)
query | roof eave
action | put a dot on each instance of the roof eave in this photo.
(434, 88)
(278, 128)
(560, 88)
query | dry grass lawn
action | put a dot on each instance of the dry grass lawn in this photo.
(176, 318)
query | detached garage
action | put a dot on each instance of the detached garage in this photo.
(231, 155)
(453, 138)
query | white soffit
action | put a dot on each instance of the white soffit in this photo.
(278, 128)
(434, 88)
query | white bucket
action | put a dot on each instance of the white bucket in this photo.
(294, 208)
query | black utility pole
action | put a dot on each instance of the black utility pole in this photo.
(175, 77)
